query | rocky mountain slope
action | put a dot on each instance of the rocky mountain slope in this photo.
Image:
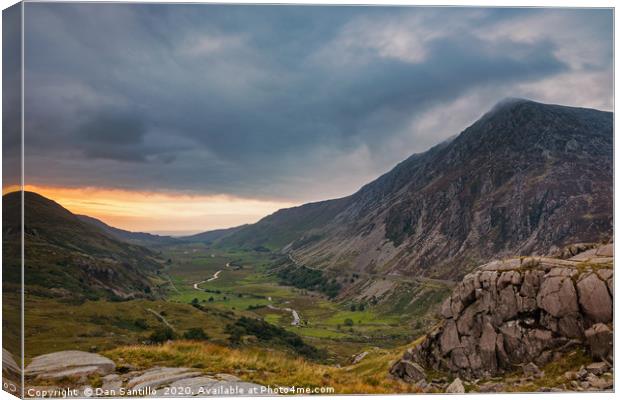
(66, 257)
(521, 314)
(523, 179)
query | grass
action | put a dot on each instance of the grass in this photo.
(554, 372)
(99, 325)
(272, 368)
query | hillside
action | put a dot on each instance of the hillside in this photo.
(66, 257)
(139, 238)
(523, 179)
(211, 236)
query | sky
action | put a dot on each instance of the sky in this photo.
(185, 118)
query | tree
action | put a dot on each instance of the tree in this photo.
(353, 307)
(211, 299)
(348, 322)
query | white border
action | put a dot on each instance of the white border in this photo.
(463, 3)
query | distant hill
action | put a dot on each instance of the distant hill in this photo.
(140, 238)
(211, 236)
(67, 257)
(523, 179)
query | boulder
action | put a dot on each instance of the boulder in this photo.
(488, 342)
(594, 298)
(158, 377)
(456, 387)
(597, 368)
(450, 337)
(557, 296)
(531, 369)
(69, 364)
(600, 341)
(408, 370)
(9, 366)
(359, 357)
(606, 250)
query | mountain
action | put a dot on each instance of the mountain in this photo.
(139, 238)
(66, 257)
(212, 236)
(523, 179)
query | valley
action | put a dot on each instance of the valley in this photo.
(338, 292)
(247, 286)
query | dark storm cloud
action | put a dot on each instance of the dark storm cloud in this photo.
(287, 102)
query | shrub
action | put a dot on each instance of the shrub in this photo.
(161, 335)
(273, 334)
(141, 324)
(195, 334)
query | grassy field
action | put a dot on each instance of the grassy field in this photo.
(100, 325)
(245, 287)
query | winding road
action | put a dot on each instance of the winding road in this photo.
(294, 313)
(214, 277)
(296, 319)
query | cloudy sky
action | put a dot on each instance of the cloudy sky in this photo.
(192, 117)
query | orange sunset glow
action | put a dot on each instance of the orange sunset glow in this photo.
(158, 212)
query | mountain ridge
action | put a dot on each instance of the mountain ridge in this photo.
(140, 238)
(496, 189)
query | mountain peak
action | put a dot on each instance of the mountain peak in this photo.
(509, 102)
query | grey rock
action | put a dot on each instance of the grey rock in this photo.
(600, 341)
(8, 363)
(157, 377)
(227, 377)
(594, 298)
(450, 337)
(408, 370)
(606, 250)
(582, 373)
(488, 342)
(558, 297)
(359, 357)
(510, 313)
(597, 368)
(70, 363)
(531, 369)
(456, 387)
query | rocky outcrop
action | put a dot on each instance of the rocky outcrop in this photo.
(77, 366)
(508, 314)
(65, 364)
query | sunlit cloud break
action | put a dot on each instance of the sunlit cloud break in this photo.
(177, 213)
